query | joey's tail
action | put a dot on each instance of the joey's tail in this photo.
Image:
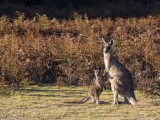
(85, 99)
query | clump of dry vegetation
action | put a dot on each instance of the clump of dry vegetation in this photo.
(43, 50)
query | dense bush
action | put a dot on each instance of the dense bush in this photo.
(65, 51)
(93, 8)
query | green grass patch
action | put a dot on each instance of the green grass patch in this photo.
(56, 103)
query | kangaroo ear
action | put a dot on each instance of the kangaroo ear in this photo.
(104, 41)
(111, 41)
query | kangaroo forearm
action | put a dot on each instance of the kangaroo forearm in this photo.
(107, 70)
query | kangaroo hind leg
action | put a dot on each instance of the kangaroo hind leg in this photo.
(93, 99)
(126, 100)
(115, 95)
(115, 98)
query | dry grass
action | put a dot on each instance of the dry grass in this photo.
(55, 103)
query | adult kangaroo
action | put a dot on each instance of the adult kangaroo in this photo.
(118, 75)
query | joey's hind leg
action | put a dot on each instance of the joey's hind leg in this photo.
(97, 100)
(97, 97)
(93, 99)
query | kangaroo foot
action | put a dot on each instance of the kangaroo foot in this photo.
(114, 103)
(97, 103)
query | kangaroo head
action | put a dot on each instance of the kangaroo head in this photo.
(107, 47)
(97, 71)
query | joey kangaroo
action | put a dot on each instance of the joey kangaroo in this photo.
(96, 88)
(118, 75)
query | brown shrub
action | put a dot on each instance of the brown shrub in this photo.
(65, 51)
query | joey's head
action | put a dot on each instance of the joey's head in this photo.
(97, 71)
(108, 47)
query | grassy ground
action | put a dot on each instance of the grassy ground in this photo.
(52, 102)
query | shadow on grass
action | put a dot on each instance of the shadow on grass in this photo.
(61, 93)
(157, 103)
(101, 102)
(40, 95)
(54, 95)
(49, 88)
(77, 102)
(40, 90)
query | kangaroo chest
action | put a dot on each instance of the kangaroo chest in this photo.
(107, 62)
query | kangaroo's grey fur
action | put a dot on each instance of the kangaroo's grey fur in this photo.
(119, 76)
(95, 89)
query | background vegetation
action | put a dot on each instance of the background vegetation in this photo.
(93, 8)
(64, 51)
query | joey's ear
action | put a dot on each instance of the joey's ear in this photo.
(99, 67)
(95, 67)
(104, 41)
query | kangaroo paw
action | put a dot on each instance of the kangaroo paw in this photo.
(114, 103)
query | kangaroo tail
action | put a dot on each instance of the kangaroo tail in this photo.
(132, 100)
(85, 99)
